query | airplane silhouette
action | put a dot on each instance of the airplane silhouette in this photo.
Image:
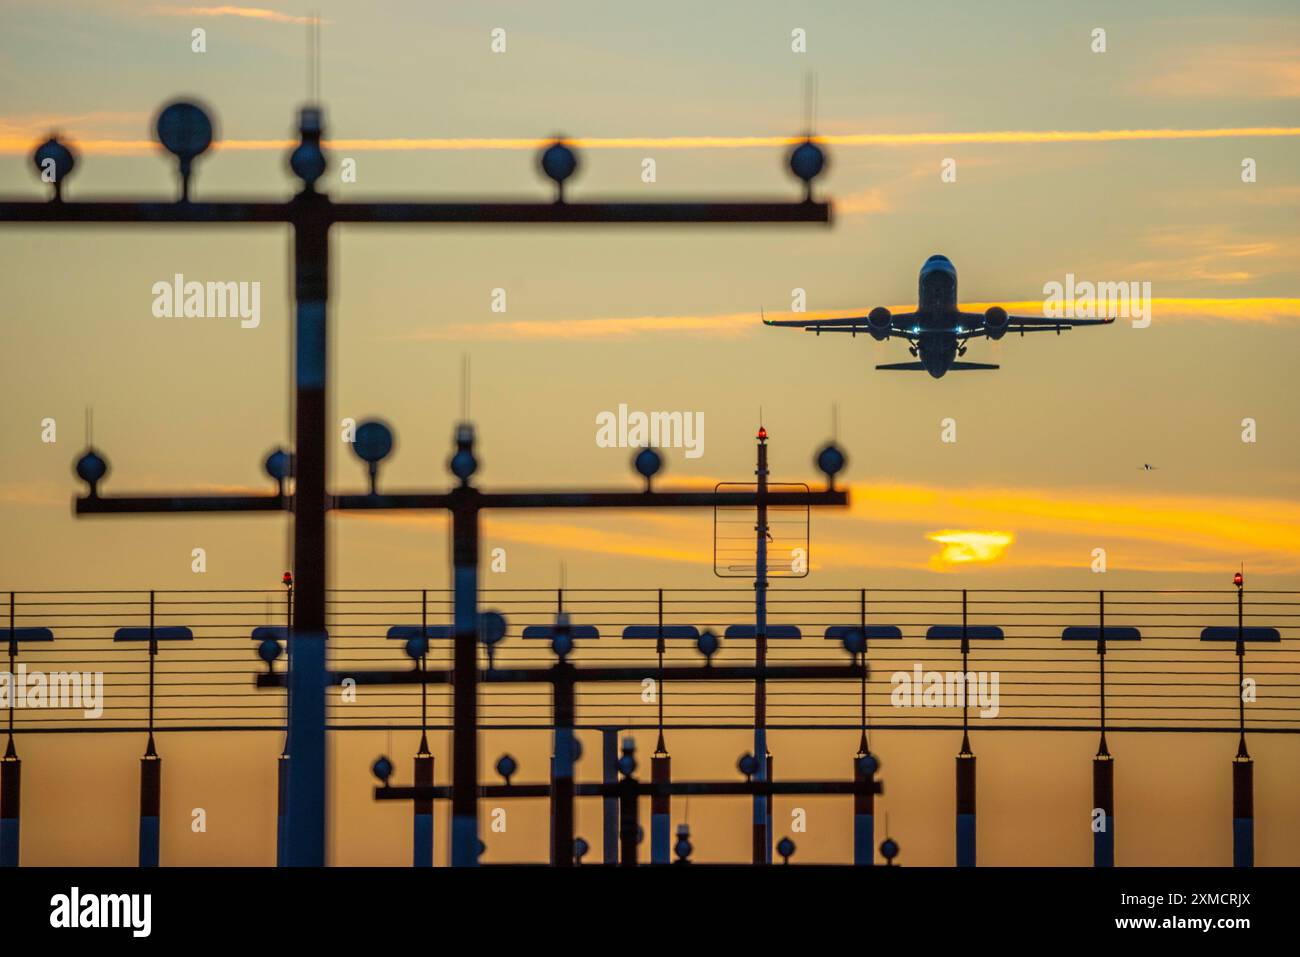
(937, 331)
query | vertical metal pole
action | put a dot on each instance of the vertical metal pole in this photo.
(422, 856)
(762, 849)
(1103, 765)
(864, 820)
(1103, 800)
(629, 824)
(864, 799)
(464, 754)
(282, 808)
(307, 768)
(1243, 812)
(422, 827)
(965, 764)
(1243, 768)
(660, 809)
(660, 765)
(282, 764)
(609, 803)
(562, 791)
(150, 770)
(11, 777)
(11, 768)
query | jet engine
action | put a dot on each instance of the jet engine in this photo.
(878, 323)
(995, 322)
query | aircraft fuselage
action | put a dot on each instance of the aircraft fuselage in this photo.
(937, 315)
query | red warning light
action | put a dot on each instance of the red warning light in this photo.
(762, 433)
(1237, 579)
(287, 580)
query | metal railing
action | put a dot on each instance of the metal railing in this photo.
(1169, 680)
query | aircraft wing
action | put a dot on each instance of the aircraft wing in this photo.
(1023, 324)
(850, 324)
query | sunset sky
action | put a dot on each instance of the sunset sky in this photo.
(1122, 166)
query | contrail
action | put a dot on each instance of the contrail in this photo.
(13, 143)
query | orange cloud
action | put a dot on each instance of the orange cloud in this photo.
(733, 325)
(865, 203)
(886, 525)
(960, 548)
(131, 147)
(245, 13)
(1179, 525)
(1221, 72)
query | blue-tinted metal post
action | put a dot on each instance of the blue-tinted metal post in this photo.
(307, 713)
(609, 803)
(661, 766)
(562, 787)
(422, 834)
(762, 803)
(11, 778)
(965, 762)
(1103, 765)
(864, 815)
(1243, 812)
(660, 808)
(1103, 802)
(1243, 768)
(150, 768)
(11, 767)
(464, 755)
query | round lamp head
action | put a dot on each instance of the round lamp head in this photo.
(91, 468)
(184, 130)
(854, 641)
(373, 441)
(491, 627)
(269, 650)
(278, 465)
(559, 162)
(506, 767)
(648, 462)
(54, 161)
(382, 769)
(807, 161)
(831, 461)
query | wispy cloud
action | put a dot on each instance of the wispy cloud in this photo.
(131, 147)
(1249, 71)
(1215, 254)
(243, 13)
(733, 325)
(866, 203)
